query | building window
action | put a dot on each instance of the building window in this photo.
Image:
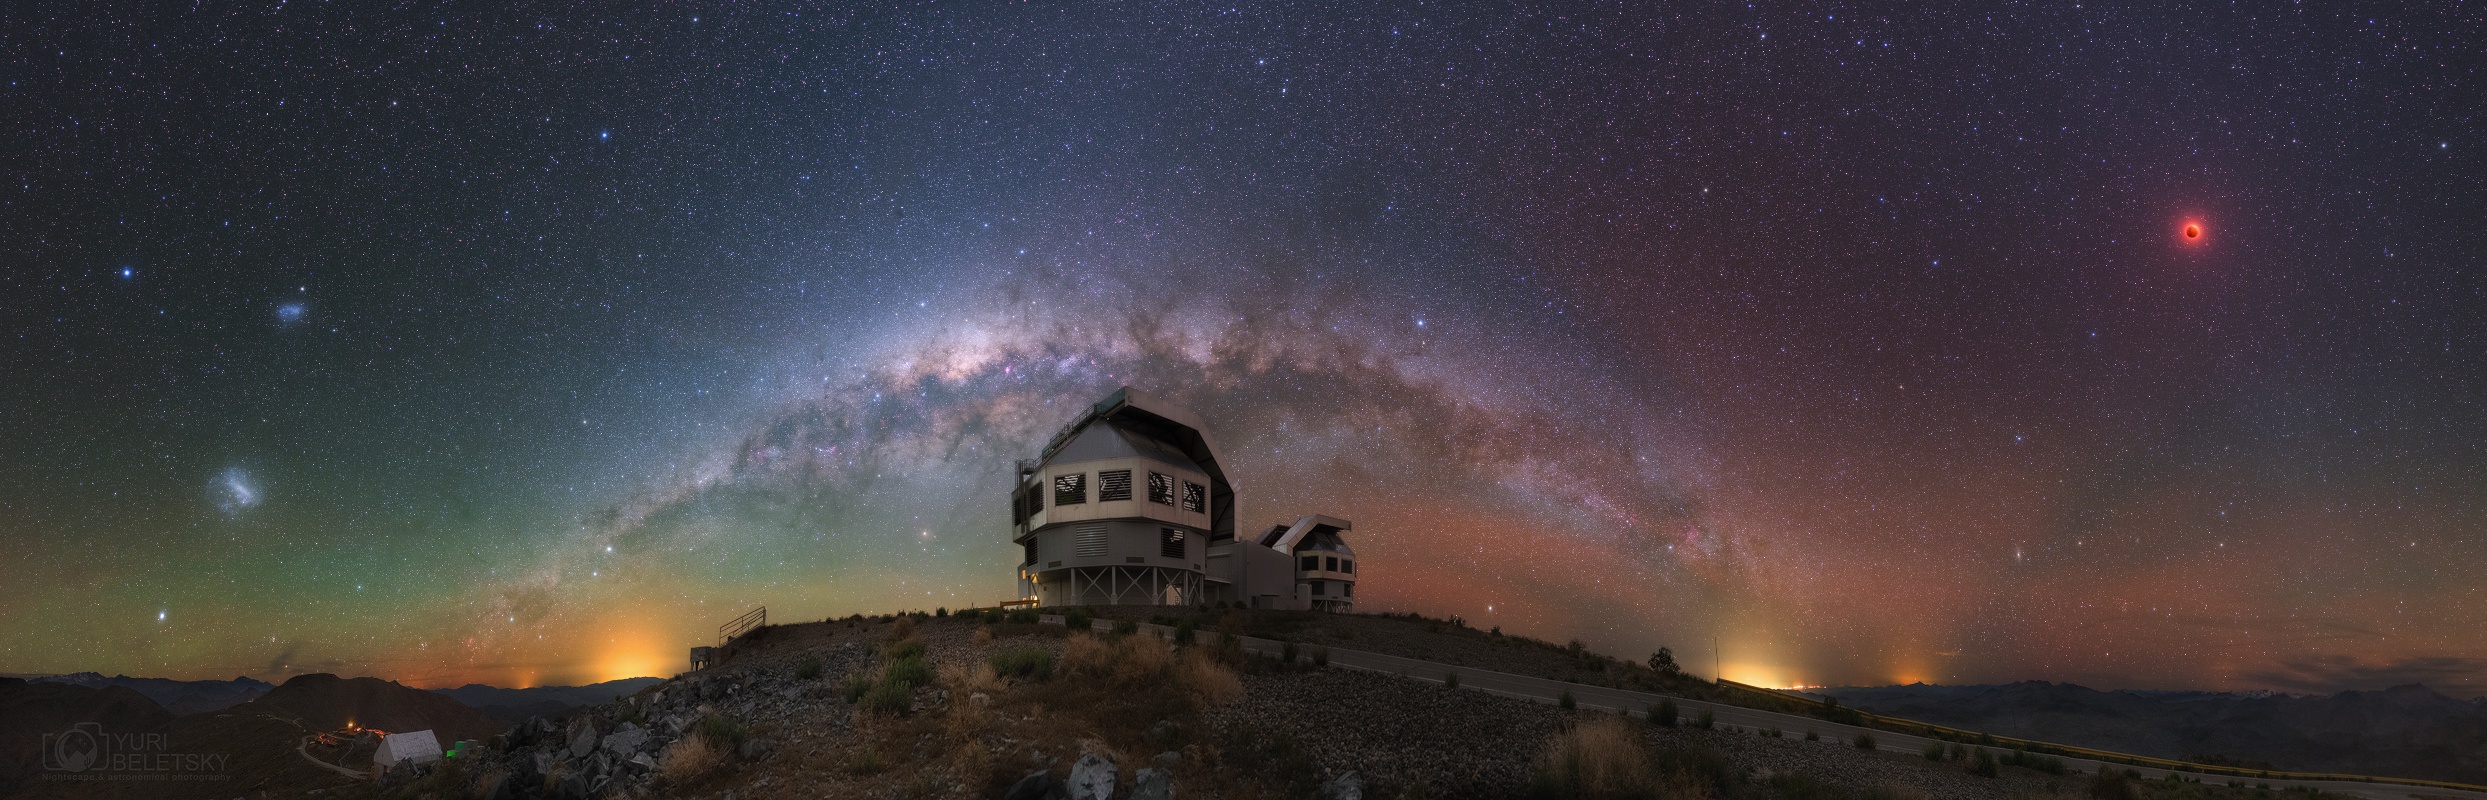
(1195, 498)
(1170, 543)
(1316, 588)
(1330, 563)
(1161, 489)
(1113, 485)
(1088, 541)
(1025, 501)
(1031, 545)
(1071, 490)
(1347, 566)
(1311, 563)
(1347, 590)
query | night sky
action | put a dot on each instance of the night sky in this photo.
(526, 347)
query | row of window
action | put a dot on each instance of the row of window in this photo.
(1071, 489)
(1345, 589)
(1331, 563)
(1088, 541)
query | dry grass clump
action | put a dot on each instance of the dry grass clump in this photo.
(901, 630)
(1145, 664)
(984, 636)
(688, 760)
(1598, 758)
(1603, 758)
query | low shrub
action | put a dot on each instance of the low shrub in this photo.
(1802, 786)
(903, 649)
(1935, 751)
(1706, 721)
(866, 761)
(2112, 786)
(1126, 628)
(1078, 621)
(1022, 662)
(1186, 631)
(1321, 657)
(910, 670)
(855, 688)
(1565, 700)
(1287, 653)
(941, 613)
(1864, 741)
(1024, 616)
(1450, 680)
(887, 698)
(808, 670)
(721, 732)
(2028, 760)
(1982, 763)
(1663, 715)
(1772, 733)
(1812, 736)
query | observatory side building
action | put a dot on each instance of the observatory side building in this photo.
(1130, 504)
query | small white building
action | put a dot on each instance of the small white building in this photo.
(406, 750)
(1130, 505)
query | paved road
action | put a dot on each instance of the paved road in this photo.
(1545, 690)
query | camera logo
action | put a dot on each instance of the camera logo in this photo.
(75, 750)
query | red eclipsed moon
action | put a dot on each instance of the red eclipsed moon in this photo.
(2192, 232)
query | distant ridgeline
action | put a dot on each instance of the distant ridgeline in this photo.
(2406, 731)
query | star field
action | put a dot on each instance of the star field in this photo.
(2139, 347)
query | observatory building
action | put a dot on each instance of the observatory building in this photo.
(1130, 505)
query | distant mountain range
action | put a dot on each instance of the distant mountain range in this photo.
(256, 724)
(513, 706)
(178, 697)
(507, 706)
(2406, 731)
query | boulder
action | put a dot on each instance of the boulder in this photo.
(1347, 786)
(1092, 778)
(1168, 760)
(1151, 783)
(753, 749)
(583, 736)
(626, 740)
(1038, 785)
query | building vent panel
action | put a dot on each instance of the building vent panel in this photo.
(1088, 541)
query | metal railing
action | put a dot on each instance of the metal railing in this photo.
(742, 625)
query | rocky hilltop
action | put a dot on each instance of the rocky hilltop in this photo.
(987, 707)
